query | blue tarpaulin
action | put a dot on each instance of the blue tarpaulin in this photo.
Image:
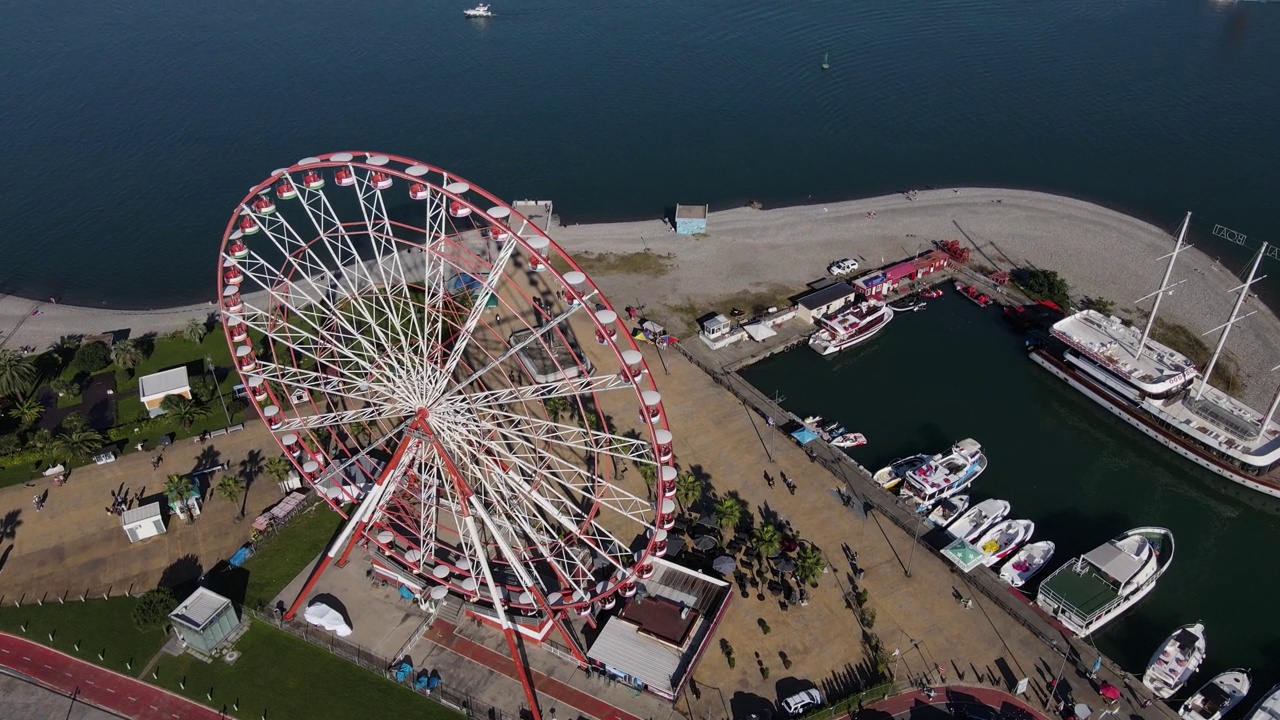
(241, 555)
(804, 436)
(406, 593)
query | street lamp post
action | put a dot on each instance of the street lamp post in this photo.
(208, 366)
(1058, 676)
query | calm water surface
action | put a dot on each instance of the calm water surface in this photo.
(130, 128)
(1062, 461)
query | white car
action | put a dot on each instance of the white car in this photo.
(843, 266)
(799, 703)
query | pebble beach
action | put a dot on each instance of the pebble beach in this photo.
(1100, 252)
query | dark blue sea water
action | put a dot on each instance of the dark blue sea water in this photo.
(131, 128)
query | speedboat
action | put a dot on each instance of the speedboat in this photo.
(945, 475)
(890, 477)
(978, 518)
(812, 420)
(1097, 587)
(1002, 539)
(1175, 661)
(849, 440)
(1268, 708)
(931, 293)
(479, 11)
(945, 512)
(1027, 562)
(1217, 697)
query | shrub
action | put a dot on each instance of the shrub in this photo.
(1047, 285)
(153, 608)
(764, 627)
(91, 358)
(764, 672)
(9, 444)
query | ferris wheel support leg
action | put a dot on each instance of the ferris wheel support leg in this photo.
(526, 675)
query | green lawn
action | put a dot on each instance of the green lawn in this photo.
(280, 676)
(280, 559)
(99, 626)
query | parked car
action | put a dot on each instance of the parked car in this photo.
(800, 703)
(843, 266)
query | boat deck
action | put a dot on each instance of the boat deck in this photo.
(1087, 592)
(1109, 341)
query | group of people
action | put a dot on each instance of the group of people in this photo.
(120, 502)
(791, 486)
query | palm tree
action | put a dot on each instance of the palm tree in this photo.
(556, 406)
(28, 411)
(649, 473)
(76, 443)
(183, 409)
(728, 512)
(126, 354)
(41, 440)
(810, 562)
(177, 489)
(277, 468)
(688, 490)
(65, 386)
(195, 330)
(229, 488)
(766, 540)
(17, 373)
(74, 421)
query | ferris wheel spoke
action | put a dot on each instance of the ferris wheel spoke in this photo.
(572, 436)
(510, 352)
(341, 419)
(543, 391)
(478, 307)
(338, 385)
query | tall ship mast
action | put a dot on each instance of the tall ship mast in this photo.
(1159, 391)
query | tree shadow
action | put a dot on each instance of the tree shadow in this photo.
(182, 575)
(10, 523)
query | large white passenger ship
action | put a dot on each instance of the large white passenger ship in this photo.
(1160, 391)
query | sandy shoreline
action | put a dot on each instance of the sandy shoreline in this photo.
(1101, 252)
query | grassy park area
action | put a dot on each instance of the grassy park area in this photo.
(279, 676)
(97, 626)
(278, 561)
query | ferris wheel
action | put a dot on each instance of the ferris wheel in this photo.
(451, 382)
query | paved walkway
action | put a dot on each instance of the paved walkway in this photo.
(553, 691)
(97, 686)
(971, 700)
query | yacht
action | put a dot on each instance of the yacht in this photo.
(1159, 391)
(890, 477)
(849, 327)
(479, 11)
(1268, 708)
(945, 512)
(1217, 697)
(1002, 539)
(978, 518)
(1175, 661)
(944, 475)
(1100, 585)
(1027, 562)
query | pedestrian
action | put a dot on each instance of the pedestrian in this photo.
(1146, 703)
(110, 511)
(35, 502)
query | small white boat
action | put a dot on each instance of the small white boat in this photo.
(1217, 697)
(849, 440)
(479, 11)
(1176, 660)
(979, 517)
(1003, 538)
(1027, 562)
(1268, 708)
(812, 421)
(890, 477)
(948, 510)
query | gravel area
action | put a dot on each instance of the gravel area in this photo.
(1101, 252)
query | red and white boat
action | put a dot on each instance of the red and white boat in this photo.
(849, 440)
(850, 327)
(974, 294)
(931, 293)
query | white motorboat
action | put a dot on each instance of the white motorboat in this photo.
(1003, 538)
(1268, 708)
(479, 11)
(849, 440)
(1097, 587)
(945, 512)
(812, 421)
(850, 327)
(978, 518)
(1027, 562)
(890, 477)
(1217, 697)
(1176, 660)
(945, 474)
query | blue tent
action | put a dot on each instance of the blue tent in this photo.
(804, 436)
(241, 555)
(465, 281)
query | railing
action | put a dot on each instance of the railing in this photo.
(373, 662)
(848, 705)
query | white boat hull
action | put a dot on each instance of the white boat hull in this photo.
(1009, 535)
(1161, 682)
(1036, 556)
(1113, 405)
(994, 510)
(1234, 684)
